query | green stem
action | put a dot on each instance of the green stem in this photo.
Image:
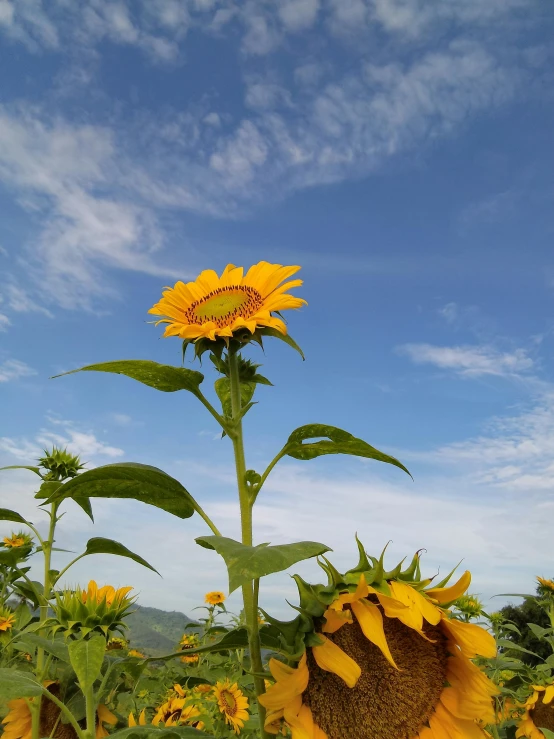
(65, 569)
(249, 591)
(265, 475)
(206, 403)
(202, 513)
(90, 713)
(43, 612)
(65, 710)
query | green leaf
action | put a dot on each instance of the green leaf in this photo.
(131, 480)
(223, 390)
(507, 644)
(7, 515)
(235, 639)
(161, 732)
(99, 545)
(283, 337)
(162, 377)
(336, 441)
(47, 489)
(36, 470)
(547, 733)
(13, 555)
(86, 657)
(16, 684)
(29, 641)
(246, 563)
(538, 631)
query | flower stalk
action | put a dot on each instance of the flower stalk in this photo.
(249, 590)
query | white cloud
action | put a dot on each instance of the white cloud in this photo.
(4, 322)
(13, 369)
(470, 361)
(298, 15)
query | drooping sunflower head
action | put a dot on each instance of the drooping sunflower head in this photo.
(7, 619)
(538, 712)
(94, 609)
(214, 597)
(233, 704)
(115, 643)
(189, 641)
(214, 306)
(60, 464)
(547, 586)
(136, 653)
(17, 540)
(381, 656)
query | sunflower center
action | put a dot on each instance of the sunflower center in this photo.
(543, 715)
(229, 702)
(385, 703)
(223, 305)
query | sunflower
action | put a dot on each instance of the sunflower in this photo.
(546, 584)
(135, 653)
(15, 541)
(115, 643)
(233, 704)
(107, 594)
(175, 710)
(539, 713)
(7, 619)
(213, 306)
(18, 722)
(214, 598)
(384, 661)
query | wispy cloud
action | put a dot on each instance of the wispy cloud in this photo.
(13, 369)
(470, 361)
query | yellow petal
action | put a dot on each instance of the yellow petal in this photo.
(370, 619)
(472, 639)
(334, 620)
(446, 595)
(548, 694)
(330, 657)
(286, 688)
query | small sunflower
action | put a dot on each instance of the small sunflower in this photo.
(538, 714)
(18, 722)
(214, 598)
(175, 710)
(214, 306)
(136, 653)
(546, 584)
(233, 704)
(17, 540)
(385, 660)
(7, 619)
(115, 643)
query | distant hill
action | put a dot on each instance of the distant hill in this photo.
(154, 631)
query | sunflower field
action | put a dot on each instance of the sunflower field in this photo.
(381, 651)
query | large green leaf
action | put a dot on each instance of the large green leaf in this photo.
(266, 331)
(332, 441)
(131, 480)
(246, 563)
(29, 641)
(161, 732)
(16, 684)
(7, 515)
(12, 555)
(86, 657)
(547, 733)
(99, 545)
(223, 390)
(162, 377)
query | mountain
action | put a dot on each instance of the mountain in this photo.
(155, 632)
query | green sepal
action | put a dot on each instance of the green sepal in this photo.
(444, 582)
(363, 562)
(412, 573)
(286, 338)
(310, 603)
(334, 577)
(314, 640)
(395, 573)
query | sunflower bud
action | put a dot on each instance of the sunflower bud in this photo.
(60, 464)
(94, 609)
(469, 605)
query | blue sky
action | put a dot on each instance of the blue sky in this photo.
(401, 152)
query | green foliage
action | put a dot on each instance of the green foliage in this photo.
(130, 480)
(86, 657)
(16, 684)
(7, 515)
(529, 612)
(99, 545)
(246, 563)
(162, 377)
(161, 732)
(335, 441)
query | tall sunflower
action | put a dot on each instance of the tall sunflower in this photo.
(233, 704)
(214, 306)
(539, 713)
(18, 722)
(384, 660)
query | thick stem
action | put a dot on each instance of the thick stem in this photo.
(90, 713)
(250, 590)
(47, 545)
